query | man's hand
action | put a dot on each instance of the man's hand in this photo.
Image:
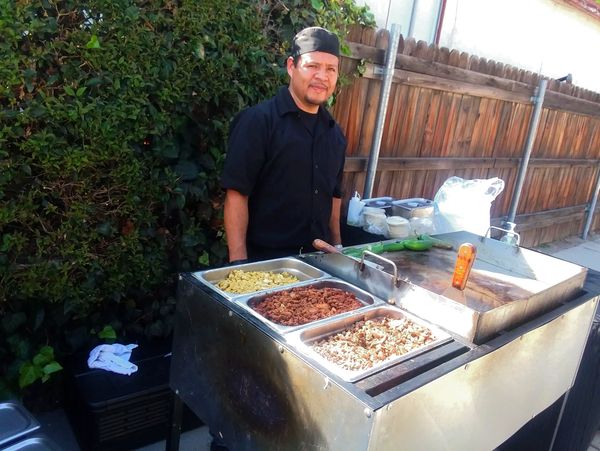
(236, 224)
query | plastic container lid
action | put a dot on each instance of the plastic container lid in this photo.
(373, 211)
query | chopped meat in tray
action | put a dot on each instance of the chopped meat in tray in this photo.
(370, 342)
(303, 305)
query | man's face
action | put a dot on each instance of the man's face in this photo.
(313, 79)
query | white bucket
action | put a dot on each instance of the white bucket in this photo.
(398, 227)
(374, 220)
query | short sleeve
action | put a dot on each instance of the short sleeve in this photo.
(246, 151)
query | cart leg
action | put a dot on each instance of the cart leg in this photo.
(172, 443)
(560, 414)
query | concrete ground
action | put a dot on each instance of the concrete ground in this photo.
(576, 250)
(56, 425)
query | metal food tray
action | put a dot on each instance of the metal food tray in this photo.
(15, 422)
(303, 271)
(364, 297)
(36, 443)
(302, 340)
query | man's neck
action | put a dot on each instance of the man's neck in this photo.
(309, 108)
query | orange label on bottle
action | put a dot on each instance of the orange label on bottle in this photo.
(464, 262)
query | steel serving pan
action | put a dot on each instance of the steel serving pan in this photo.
(303, 340)
(36, 443)
(303, 271)
(15, 422)
(365, 298)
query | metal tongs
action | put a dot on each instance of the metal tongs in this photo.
(324, 246)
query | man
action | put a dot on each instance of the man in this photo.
(285, 160)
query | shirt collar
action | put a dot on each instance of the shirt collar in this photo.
(285, 104)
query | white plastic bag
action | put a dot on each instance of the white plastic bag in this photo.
(355, 207)
(465, 204)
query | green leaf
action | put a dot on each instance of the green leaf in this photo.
(199, 51)
(52, 79)
(187, 170)
(37, 111)
(48, 352)
(204, 259)
(317, 4)
(108, 333)
(28, 374)
(132, 12)
(41, 360)
(69, 91)
(93, 81)
(93, 43)
(105, 229)
(52, 367)
(81, 91)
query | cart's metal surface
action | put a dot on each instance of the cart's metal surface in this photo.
(259, 392)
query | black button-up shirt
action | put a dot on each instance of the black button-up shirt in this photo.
(289, 172)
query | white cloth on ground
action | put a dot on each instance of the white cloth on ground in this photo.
(113, 358)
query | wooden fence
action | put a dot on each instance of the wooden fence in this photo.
(451, 113)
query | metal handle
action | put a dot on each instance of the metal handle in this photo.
(506, 231)
(379, 257)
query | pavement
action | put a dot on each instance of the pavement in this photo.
(574, 249)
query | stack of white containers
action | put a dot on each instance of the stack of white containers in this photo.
(397, 219)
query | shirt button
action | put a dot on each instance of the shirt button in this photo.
(316, 191)
(316, 166)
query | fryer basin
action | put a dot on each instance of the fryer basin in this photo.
(304, 339)
(302, 270)
(367, 299)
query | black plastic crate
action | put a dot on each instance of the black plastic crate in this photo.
(110, 411)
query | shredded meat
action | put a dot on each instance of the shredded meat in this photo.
(302, 305)
(368, 343)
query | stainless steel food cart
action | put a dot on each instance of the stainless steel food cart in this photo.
(516, 337)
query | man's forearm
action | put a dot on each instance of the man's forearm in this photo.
(334, 221)
(236, 224)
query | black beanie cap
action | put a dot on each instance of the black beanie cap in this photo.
(315, 39)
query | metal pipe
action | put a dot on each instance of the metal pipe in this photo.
(590, 215)
(386, 85)
(439, 22)
(411, 25)
(533, 126)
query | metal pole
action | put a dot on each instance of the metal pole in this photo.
(533, 126)
(411, 25)
(386, 85)
(590, 215)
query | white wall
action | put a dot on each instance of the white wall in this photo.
(388, 12)
(538, 35)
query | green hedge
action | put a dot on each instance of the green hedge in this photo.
(113, 124)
